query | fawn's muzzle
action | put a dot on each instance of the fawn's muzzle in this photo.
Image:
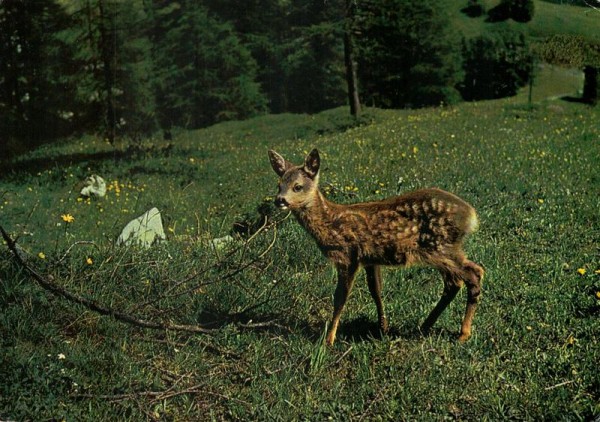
(280, 202)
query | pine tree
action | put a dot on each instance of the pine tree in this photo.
(314, 63)
(203, 73)
(32, 96)
(110, 65)
(407, 54)
(298, 46)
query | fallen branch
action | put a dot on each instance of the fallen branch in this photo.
(170, 294)
(81, 242)
(92, 305)
(560, 384)
(157, 396)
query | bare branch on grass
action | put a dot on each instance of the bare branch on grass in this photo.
(93, 305)
(80, 242)
(168, 294)
(131, 319)
(158, 396)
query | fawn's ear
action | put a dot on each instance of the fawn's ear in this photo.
(312, 162)
(279, 164)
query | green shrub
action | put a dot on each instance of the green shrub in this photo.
(496, 64)
(520, 10)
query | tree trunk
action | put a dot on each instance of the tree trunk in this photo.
(106, 54)
(590, 84)
(351, 74)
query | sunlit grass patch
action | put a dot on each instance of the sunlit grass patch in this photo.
(529, 171)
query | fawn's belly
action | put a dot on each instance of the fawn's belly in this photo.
(391, 257)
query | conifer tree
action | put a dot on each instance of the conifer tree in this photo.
(407, 54)
(110, 65)
(32, 95)
(203, 73)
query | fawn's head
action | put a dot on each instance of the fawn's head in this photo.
(297, 184)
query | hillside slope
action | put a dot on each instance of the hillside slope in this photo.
(549, 19)
(531, 172)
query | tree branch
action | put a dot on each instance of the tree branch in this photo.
(92, 305)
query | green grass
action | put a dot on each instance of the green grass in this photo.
(548, 19)
(530, 171)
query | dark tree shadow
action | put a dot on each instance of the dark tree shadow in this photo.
(580, 100)
(473, 10)
(35, 165)
(499, 13)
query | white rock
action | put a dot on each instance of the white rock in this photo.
(94, 186)
(144, 230)
(220, 242)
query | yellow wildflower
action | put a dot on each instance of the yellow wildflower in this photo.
(89, 261)
(42, 255)
(67, 218)
(581, 271)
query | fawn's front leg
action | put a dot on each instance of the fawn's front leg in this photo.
(375, 287)
(345, 282)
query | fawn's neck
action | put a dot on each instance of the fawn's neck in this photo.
(316, 216)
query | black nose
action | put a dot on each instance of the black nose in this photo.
(280, 202)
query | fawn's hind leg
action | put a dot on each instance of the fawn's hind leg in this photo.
(452, 285)
(473, 276)
(375, 286)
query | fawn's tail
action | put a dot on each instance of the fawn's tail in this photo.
(472, 222)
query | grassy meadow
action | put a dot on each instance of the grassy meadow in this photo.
(531, 172)
(548, 19)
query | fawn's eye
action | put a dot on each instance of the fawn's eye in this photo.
(297, 188)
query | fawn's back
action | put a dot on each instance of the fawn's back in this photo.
(403, 230)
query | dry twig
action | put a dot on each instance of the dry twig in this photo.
(93, 305)
(131, 319)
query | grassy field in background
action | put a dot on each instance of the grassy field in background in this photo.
(548, 19)
(531, 172)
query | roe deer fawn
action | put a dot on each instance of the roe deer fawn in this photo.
(421, 227)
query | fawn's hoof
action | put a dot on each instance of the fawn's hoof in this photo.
(464, 337)
(330, 340)
(384, 326)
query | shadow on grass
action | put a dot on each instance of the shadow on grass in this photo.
(36, 165)
(273, 323)
(499, 13)
(473, 10)
(363, 329)
(579, 100)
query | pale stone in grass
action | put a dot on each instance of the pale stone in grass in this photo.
(144, 230)
(94, 185)
(220, 242)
